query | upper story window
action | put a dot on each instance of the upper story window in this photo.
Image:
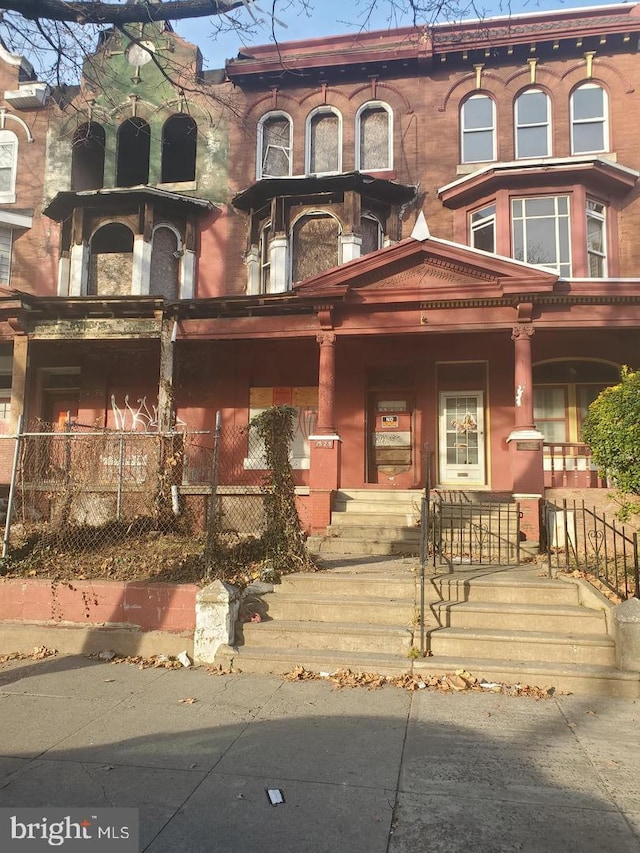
(87, 157)
(264, 249)
(541, 232)
(6, 239)
(179, 143)
(324, 141)
(533, 125)
(314, 245)
(374, 137)
(111, 266)
(8, 166)
(134, 143)
(483, 228)
(596, 239)
(165, 262)
(478, 127)
(274, 146)
(371, 234)
(589, 119)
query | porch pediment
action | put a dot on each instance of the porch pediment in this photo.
(428, 269)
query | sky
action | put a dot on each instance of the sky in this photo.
(331, 17)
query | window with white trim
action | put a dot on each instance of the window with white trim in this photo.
(478, 129)
(265, 258)
(274, 146)
(483, 228)
(374, 147)
(324, 142)
(6, 239)
(541, 232)
(532, 123)
(8, 166)
(589, 119)
(596, 239)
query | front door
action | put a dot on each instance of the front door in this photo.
(390, 445)
(462, 453)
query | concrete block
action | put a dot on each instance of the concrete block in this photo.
(217, 608)
(626, 632)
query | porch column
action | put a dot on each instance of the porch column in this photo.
(525, 441)
(18, 380)
(166, 402)
(325, 444)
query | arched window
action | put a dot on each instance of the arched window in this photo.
(87, 157)
(165, 263)
(8, 166)
(589, 119)
(478, 129)
(274, 146)
(324, 141)
(179, 143)
(134, 143)
(314, 245)
(111, 265)
(374, 135)
(533, 124)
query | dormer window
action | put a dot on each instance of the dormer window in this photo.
(274, 146)
(589, 120)
(324, 142)
(533, 127)
(478, 126)
(374, 137)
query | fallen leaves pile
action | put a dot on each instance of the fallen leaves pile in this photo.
(461, 680)
(155, 662)
(37, 653)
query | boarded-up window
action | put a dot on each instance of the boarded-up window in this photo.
(179, 142)
(111, 265)
(371, 234)
(324, 143)
(134, 142)
(87, 157)
(276, 147)
(315, 246)
(5, 255)
(164, 264)
(374, 139)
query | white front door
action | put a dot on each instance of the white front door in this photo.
(462, 438)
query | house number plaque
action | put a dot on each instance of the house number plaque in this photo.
(325, 442)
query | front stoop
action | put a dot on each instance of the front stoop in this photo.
(507, 625)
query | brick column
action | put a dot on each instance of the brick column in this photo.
(525, 441)
(325, 443)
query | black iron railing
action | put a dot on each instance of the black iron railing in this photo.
(578, 537)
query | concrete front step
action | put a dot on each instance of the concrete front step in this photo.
(396, 520)
(530, 646)
(563, 619)
(385, 496)
(379, 533)
(345, 637)
(275, 661)
(337, 546)
(584, 679)
(375, 584)
(506, 590)
(356, 610)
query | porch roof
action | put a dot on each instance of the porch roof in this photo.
(66, 201)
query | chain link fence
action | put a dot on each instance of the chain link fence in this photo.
(105, 496)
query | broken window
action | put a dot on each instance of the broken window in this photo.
(87, 157)
(179, 142)
(374, 138)
(111, 267)
(323, 142)
(274, 146)
(165, 263)
(371, 235)
(315, 246)
(134, 143)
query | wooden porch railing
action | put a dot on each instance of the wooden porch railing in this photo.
(569, 465)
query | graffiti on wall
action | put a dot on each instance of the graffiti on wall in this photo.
(143, 418)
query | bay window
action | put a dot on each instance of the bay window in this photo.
(541, 232)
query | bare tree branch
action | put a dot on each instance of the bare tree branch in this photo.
(96, 12)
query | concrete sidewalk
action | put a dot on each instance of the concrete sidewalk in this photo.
(361, 771)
